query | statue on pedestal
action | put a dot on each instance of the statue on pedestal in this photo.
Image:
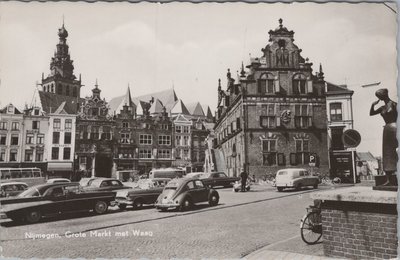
(389, 143)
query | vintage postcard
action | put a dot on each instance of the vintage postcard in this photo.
(188, 131)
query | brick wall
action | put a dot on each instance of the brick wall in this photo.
(359, 230)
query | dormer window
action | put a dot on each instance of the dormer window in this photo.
(299, 84)
(10, 109)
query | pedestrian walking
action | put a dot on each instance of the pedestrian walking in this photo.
(243, 176)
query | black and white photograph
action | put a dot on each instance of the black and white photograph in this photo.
(207, 130)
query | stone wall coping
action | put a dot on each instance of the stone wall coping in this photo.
(357, 194)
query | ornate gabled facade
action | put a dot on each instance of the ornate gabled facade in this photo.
(94, 136)
(273, 115)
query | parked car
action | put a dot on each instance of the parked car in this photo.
(58, 180)
(85, 181)
(214, 179)
(146, 192)
(195, 175)
(183, 193)
(53, 199)
(295, 178)
(237, 186)
(105, 184)
(166, 173)
(10, 189)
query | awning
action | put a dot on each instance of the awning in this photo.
(59, 166)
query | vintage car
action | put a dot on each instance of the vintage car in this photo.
(10, 189)
(295, 178)
(58, 180)
(183, 193)
(146, 192)
(53, 199)
(215, 179)
(105, 184)
(195, 175)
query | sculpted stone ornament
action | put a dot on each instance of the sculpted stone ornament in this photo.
(285, 116)
(389, 143)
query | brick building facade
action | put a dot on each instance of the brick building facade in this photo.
(273, 115)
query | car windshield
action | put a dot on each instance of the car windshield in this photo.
(31, 192)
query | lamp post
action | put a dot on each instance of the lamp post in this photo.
(94, 160)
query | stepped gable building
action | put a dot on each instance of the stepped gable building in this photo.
(273, 116)
(94, 136)
(143, 132)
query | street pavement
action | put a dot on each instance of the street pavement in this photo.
(258, 223)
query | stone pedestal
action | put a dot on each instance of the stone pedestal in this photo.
(359, 223)
(382, 179)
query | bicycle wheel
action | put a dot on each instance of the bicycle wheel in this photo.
(311, 228)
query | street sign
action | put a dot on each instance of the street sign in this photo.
(351, 138)
(313, 160)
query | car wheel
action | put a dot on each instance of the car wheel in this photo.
(213, 200)
(100, 207)
(236, 190)
(162, 209)
(186, 205)
(33, 216)
(280, 189)
(122, 206)
(298, 186)
(138, 204)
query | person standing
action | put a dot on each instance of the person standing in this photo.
(243, 176)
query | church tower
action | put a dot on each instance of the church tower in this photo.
(61, 80)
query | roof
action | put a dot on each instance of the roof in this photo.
(195, 109)
(207, 112)
(51, 103)
(337, 89)
(4, 109)
(156, 107)
(116, 104)
(166, 97)
(179, 108)
(365, 156)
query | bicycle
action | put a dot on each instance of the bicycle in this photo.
(311, 224)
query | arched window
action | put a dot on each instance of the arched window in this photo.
(52, 88)
(299, 84)
(266, 84)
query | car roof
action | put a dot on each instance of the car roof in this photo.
(12, 183)
(53, 179)
(48, 185)
(292, 169)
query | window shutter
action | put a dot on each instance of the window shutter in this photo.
(276, 83)
(309, 86)
(309, 114)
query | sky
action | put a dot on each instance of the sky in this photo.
(153, 47)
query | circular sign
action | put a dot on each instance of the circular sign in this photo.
(351, 138)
